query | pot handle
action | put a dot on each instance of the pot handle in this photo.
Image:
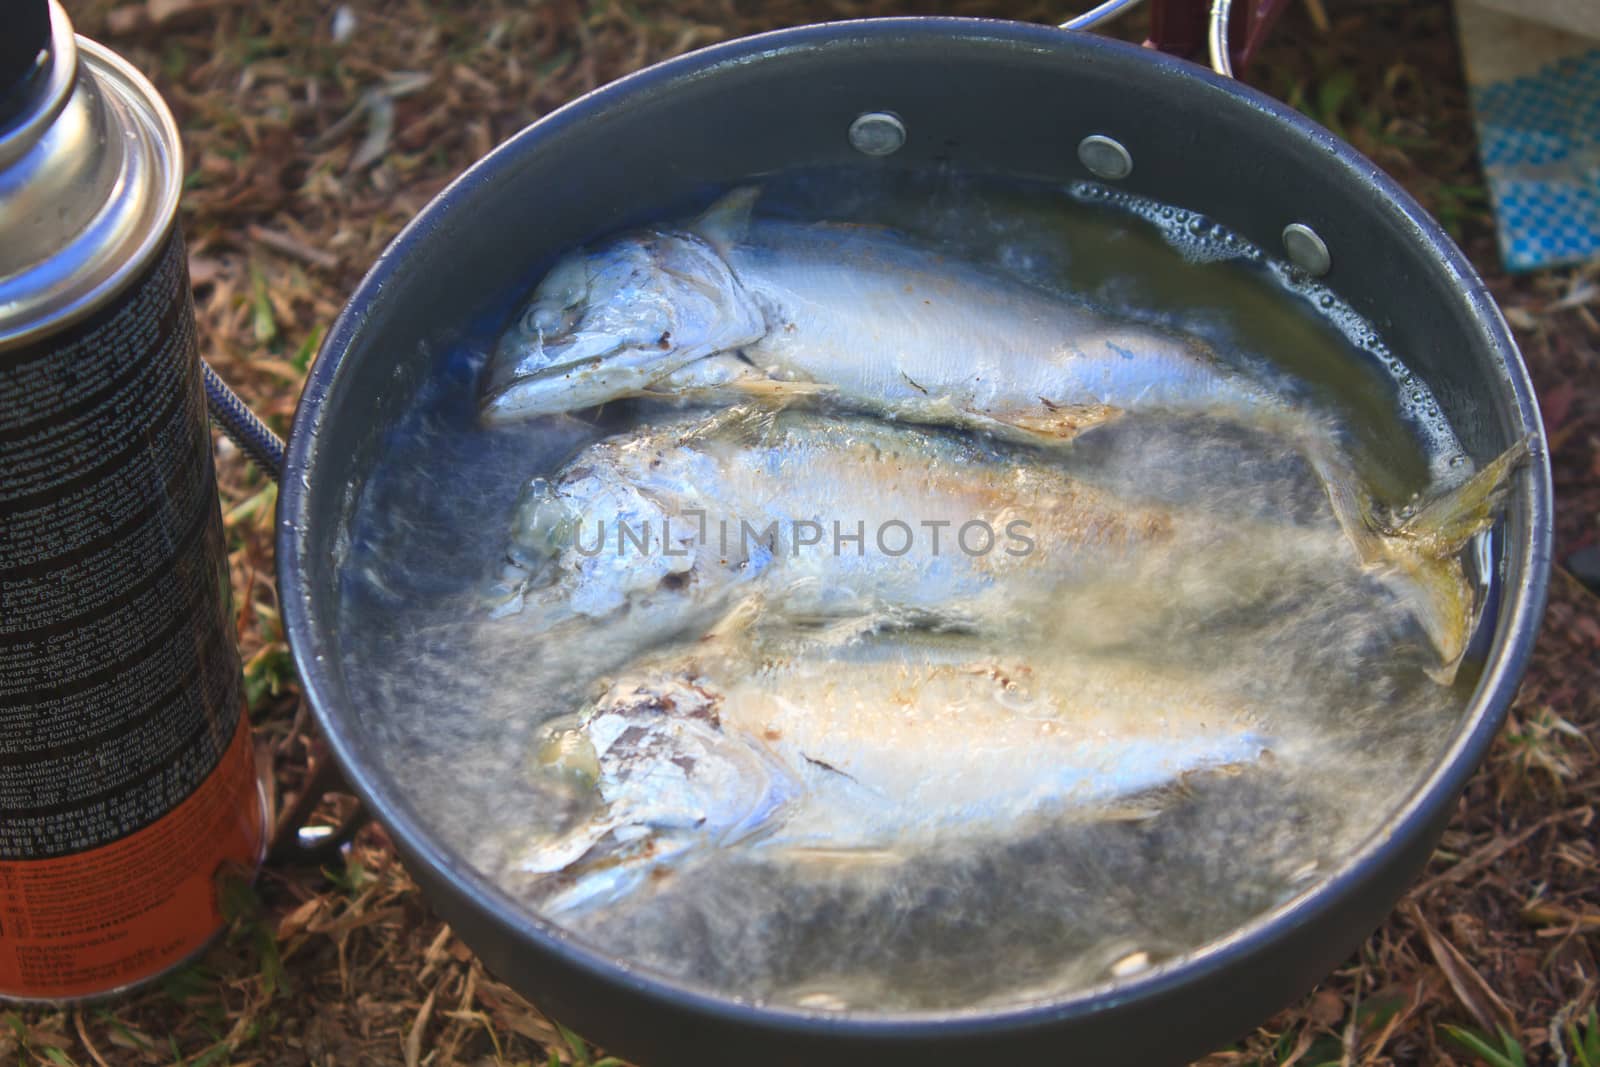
(293, 841)
(1101, 12)
(1217, 37)
(235, 419)
(1216, 32)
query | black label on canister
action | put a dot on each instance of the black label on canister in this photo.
(119, 676)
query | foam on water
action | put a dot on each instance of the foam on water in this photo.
(1264, 603)
(1199, 240)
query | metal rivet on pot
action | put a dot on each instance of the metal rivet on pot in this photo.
(1306, 249)
(877, 133)
(1105, 157)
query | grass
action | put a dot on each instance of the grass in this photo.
(348, 965)
(1505, 1052)
(1583, 1040)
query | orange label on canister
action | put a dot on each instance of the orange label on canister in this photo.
(93, 921)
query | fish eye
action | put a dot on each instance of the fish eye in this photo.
(542, 320)
(558, 297)
(542, 525)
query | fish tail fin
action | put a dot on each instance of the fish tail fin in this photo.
(1421, 554)
(1443, 605)
(1449, 520)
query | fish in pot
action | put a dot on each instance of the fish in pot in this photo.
(744, 497)
(657, 153)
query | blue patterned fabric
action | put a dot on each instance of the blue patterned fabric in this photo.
(1539, 137)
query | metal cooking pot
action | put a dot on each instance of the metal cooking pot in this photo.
(980, 96)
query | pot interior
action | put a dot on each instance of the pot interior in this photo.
(975, 97)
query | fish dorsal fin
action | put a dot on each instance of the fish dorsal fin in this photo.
(726, 222)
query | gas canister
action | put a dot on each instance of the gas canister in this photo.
(127, 778)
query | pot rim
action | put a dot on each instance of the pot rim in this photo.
(1479, 723)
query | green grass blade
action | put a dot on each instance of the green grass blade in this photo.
(1510, 1055)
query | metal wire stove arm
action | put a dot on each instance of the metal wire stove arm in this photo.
(235, 419)
(292, 840)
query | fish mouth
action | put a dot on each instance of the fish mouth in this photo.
(547, 377)
(526, 358)
(558, 369)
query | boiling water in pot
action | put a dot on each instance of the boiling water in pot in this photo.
(687, 675)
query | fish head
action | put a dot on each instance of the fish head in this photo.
(572, 539)
(606, 323)
(624, 537)
(672, 782)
